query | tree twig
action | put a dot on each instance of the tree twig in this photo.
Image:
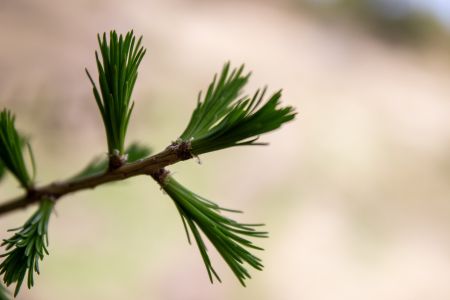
(176, 152)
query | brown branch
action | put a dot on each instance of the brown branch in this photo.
(176, 152)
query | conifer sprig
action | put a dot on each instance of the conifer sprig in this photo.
(229, 237)
(117, 74)
(26, 247)
(11, 149)
(225, 119)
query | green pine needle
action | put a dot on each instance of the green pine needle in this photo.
(4, 293)
(225, 119)
(117, 69)
(11, 149)
(221, 93)
(2, 170)
(227, 236)
(134, 152)
(26, 247)
(97, 165)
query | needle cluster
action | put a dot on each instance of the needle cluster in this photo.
(26, 248)
(226, 118)
(228, 236)
(11, 150)
(117, 74)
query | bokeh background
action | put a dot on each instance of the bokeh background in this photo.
(355, 192)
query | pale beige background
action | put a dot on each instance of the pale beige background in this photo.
(355, 192)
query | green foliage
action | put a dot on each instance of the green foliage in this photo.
(4, 293)
(136, 151)
(26, 247)
(2, 170)
(117, 75)
(11, 149)
(216, 104)
(227, 235)
(225, 119)
(99, 164)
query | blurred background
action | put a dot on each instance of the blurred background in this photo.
(355, 193)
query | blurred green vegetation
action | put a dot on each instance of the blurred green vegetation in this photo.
(394, 21)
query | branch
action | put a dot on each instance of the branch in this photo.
(176, 152)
